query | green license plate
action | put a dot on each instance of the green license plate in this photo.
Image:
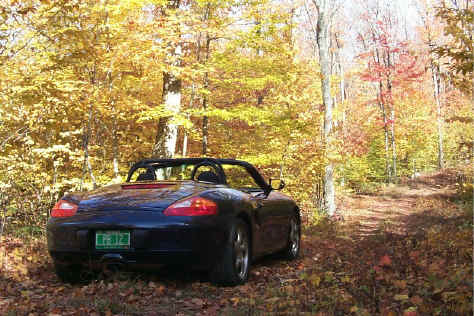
(112, 239)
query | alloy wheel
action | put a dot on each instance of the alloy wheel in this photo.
(294, 237)
(241, 252)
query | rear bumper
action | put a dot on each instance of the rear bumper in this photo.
(134, 259)
(193, 242)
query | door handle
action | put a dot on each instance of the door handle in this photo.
(257, 211)
(257, 204)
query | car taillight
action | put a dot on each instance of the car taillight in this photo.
(195, 206)
(63, 209)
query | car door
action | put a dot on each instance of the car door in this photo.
(279, 221)
(269, 213)
(239, 178)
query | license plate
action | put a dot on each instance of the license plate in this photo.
(112, 239)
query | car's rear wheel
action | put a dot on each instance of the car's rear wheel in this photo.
(292, 249)
(233, 267)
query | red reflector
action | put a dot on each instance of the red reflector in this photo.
(146, 186)
(195, 206)
(63, 209)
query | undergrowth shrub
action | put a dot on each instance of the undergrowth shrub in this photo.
(368, 188)
(25, 203)
(464, 183)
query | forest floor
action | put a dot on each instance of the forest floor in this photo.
(406, 250)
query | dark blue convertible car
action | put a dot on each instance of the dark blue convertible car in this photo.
(213, 214)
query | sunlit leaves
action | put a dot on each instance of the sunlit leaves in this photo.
(459, 20)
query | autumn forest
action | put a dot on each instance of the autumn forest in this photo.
(364, 108)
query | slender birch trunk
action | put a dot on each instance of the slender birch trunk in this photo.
(394, 146)
(205, 119)
(87, 167)
(193, 95)
(343, 99)
(383, 109)
(115, 149)
(323, 38)
(436, 92)
(115, 134)
(392, 119)
(191, 103)
(388, 169)
(185, 144)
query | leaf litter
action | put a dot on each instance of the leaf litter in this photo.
(419, 263)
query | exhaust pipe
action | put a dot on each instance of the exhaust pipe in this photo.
(112, 263)
(111, 267)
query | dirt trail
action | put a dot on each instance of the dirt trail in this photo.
(395, 208)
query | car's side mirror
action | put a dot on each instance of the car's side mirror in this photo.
(277, 184)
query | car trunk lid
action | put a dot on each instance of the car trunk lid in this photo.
(137, 196)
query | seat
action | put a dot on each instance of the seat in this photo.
(208, 176)
(149, 175)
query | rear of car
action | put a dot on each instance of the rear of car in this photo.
(214, 214)
(137, 224)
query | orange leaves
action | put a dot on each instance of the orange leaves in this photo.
(401, 284)
(161, 290)
(385, 261)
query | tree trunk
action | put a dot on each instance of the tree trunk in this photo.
(205, 119)
(115, 153)
(191, 103)
(394, 148)
(388, 169)
(323, 39)
(167, 131)
(343, 99)
(392, 118)
(342, 82)
(85, 146)
(205, 130)
(91, 173)
(185, 144)
(436, 89)
(382, 106)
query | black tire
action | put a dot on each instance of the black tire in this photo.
(68, 273)
(234, 265)
(292, 250)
